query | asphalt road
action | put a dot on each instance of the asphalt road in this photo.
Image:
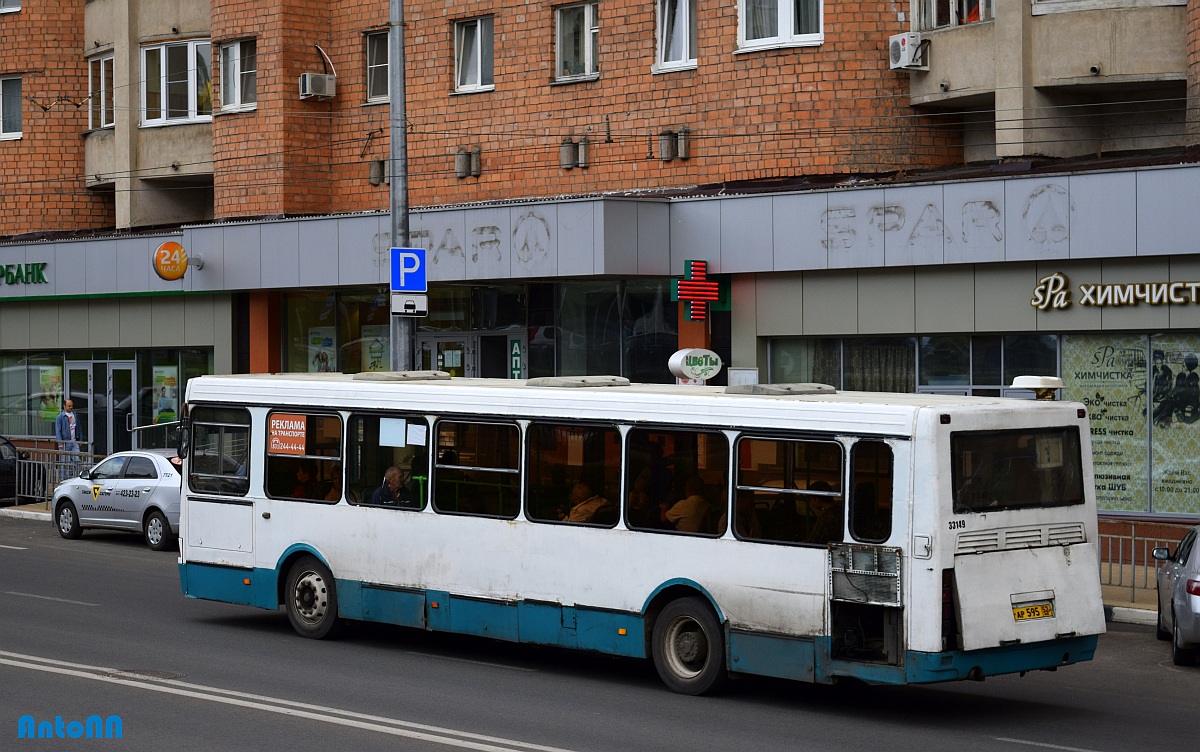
(99, 627)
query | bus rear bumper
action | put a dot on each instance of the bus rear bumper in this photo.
(926, 668)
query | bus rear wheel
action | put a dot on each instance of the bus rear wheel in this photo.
(689, 647)
(311, 599)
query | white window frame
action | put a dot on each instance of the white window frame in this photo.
(377, 69)
(941, 14)
(100, 86)
(589, 42)
(785, 19)
(196, 48)
(477, 63)
(11, 135)
(10, 6)
(234, 76)
(686, 57)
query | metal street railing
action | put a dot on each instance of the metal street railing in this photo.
(1126, 560)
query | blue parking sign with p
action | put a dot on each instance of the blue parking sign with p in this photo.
(408, 270)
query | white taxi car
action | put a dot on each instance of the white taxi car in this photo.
(134, 491)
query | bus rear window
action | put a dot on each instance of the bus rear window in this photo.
(1016, 469)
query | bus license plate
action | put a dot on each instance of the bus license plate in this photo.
(1033, 611)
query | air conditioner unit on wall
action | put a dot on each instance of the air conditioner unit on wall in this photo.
(905, 51)
(317, 85)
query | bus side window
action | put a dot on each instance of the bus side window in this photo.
(871, 499)
(388, 461)
(219, 450)
(572, 473)
(304, 451)
(796, 490)
(677, 480)
(477, 470)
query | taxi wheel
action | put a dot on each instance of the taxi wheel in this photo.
(689, 648)
(68, 521)
(158, 532)
(311, 599)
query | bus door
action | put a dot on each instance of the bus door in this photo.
(865, 606)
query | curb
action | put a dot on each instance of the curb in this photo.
(1123, 615)
(25, 514)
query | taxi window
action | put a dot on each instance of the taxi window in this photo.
(110, 468)
(140, 467)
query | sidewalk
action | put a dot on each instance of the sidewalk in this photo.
(1121, 604)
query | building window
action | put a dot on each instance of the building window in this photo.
(9, 6)
(778, 23)
(239, 75)
(10, 108)
(676, 33)
(177, 83)
(936, 14)
(473, 55)
(100, 84)
(577, 31)
(377, 67)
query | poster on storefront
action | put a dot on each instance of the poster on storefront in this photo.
(50, 391)
(1175, 428)
(376, 347)
(165, 393)
(322, 349)
(1108, 375)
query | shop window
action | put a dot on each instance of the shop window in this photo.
(476, 470)
(218, 458)
(387, 461)
(573, 473)
(879, 364)
(789, 491)
(678, 481)
(871, 491)
(304, 456)
(944, 361)
(1030, 355)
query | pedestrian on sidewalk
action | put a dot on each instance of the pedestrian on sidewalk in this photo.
(66, 433)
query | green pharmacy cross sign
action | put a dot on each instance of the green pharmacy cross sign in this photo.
(695, 289)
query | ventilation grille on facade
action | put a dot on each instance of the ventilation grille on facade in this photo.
(1019, 537)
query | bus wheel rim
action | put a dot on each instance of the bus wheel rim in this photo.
(686, 648)
(310, 597)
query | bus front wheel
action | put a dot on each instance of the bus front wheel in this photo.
(311, 598)
(689, 647)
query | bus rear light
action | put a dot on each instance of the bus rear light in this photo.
(1082, 413)
(1193, 587)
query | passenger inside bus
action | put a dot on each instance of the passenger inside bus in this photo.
(825, 525)
(389, 492)
(585, 505)
(692, 513)
(306, 481)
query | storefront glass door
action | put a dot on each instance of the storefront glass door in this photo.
(103, 393)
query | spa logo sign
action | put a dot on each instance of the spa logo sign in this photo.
(1053, 292)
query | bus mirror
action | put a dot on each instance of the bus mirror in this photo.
(183, 438)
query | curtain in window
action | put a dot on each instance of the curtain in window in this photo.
(807, 16)
(762, 19)
(880, 364)
(468, 54)
(204, 79)
(674, 21)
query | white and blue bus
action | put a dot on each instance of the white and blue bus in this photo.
(784, 530)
